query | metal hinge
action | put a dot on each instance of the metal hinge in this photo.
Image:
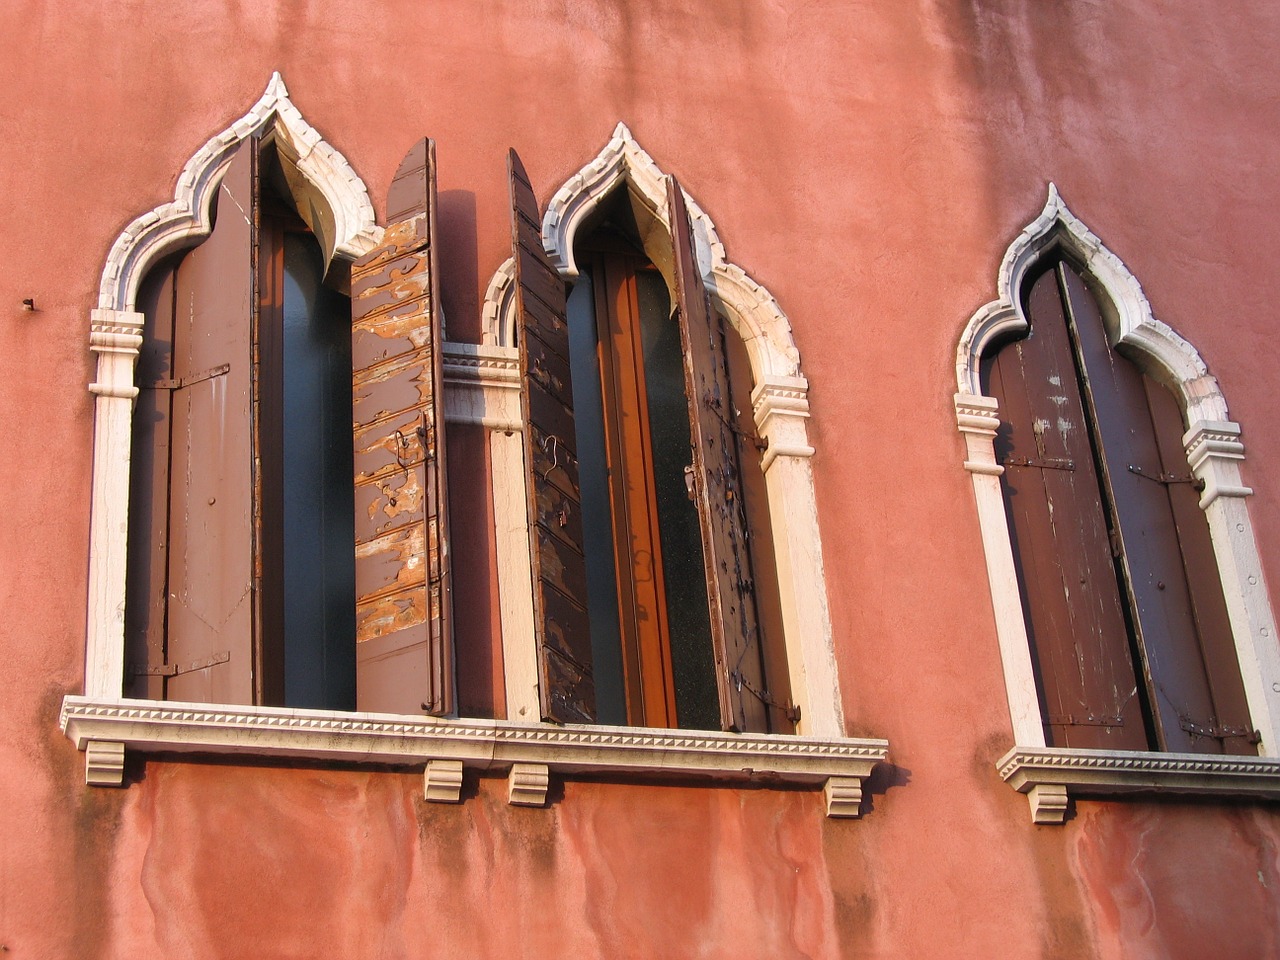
(1043, 463)
(1214, 732)
(1166, 478)
(1089, 720)
(713, 404)
(176, 669)
(188, 381)
(789, 709)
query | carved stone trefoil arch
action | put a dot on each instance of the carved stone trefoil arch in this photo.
(187, 219)
(1214, 452)
(779, 402)
(749, 307)
(116, 331)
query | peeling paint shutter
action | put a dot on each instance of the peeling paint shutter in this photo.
(404, 659)
(550, 449)
(1061, 537)
(211, 593)
(717, 487)
(1167, 559)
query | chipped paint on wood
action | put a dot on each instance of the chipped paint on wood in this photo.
(401, 567)
(735, 633)
(561, 628)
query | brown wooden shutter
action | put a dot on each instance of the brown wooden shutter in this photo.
(404, 659)
(1061, 537)
(1204, 579)
(147, 596)
(717, 487)
(210, 613)
(560, 620)
(1168, 561)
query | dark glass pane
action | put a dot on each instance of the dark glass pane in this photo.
(319, 573)
(693, 661)
(597, 520)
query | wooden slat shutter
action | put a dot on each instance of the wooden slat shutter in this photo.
(1061, 537)
(1168, 561)
(1204, 579)
(212, 598)
(717, 487)
(147, 597)
(404, 658)
(561, 627)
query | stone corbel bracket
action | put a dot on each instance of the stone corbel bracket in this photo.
(532, 752)
(1214, 453)
(1048, 775)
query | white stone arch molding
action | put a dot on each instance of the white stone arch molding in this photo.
(116, 333)
(780, 407)
(1214, 451)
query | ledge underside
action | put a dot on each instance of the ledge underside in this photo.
(151, 727)
(1103, 772)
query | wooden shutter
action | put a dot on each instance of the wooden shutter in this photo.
(147, 584)
(1235, 730)
(717, 487)
(1061, 537)
(1170, 571)
(560, 620)
(212, 595)
(404, 658)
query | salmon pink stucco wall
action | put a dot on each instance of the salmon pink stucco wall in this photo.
(868, 161)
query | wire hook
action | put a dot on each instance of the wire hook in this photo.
(555, 456)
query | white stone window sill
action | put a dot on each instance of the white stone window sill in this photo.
(1048, 774)
(104, 728)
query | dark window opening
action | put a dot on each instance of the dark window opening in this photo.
(652, 648)
(306, 459)
(661, 476)
(651, 634)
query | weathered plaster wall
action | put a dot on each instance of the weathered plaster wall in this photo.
(868, 162)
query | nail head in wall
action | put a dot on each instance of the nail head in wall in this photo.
(29, 303)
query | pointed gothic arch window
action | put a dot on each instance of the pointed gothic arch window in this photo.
(647, 606)
(236, 295)
(769, 401)
(1130, 611)
(1125, 613)
(241, 581)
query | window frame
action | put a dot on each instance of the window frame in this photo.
(116, 333)
(480, 387)
(780, 410)
(1214, 450)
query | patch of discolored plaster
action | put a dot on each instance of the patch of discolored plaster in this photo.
(631, 870)
(1179, 880)
(98, 815)
(80, 827)
(645, 856)
(1064, 927)
(270, 862)
(1058, 917)
(488, 878)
